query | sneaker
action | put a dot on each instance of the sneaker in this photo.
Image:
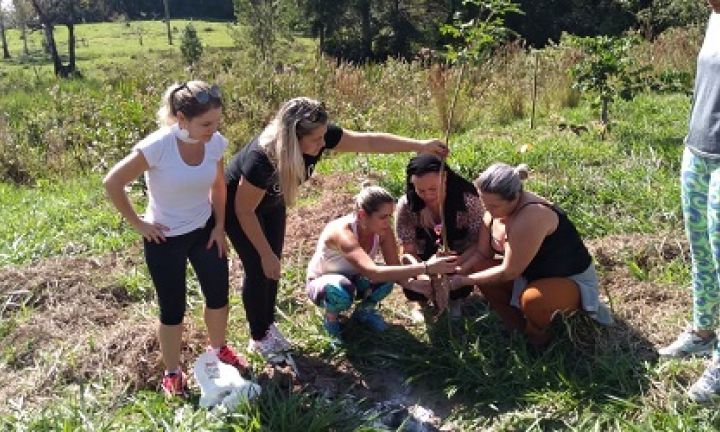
(334, 330)
(228, 356)
(370, 318)
(689, 343)
(280, 340)
(707, 387)
(174, 384)
(267, 347)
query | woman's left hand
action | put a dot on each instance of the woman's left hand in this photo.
(459, 281)
(434, 146)
(217, 236)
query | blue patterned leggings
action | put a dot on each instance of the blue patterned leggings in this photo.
(336, 292)
(701, 209)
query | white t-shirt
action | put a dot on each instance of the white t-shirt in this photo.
(179, 193)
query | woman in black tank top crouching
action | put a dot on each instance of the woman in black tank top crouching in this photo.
(532, 262)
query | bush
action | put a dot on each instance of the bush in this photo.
(191, 47)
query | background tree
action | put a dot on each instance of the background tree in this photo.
(324, 18)
(6, 52)
(22, 13)
(655, 16)
(49, 13)
(191, 46)
(266, 23)
(546, 20)
(606, 69)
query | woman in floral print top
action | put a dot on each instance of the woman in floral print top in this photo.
(418, 223)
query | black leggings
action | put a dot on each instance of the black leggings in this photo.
(258, 292)
(167, 262)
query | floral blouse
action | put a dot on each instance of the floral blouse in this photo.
(468, 223)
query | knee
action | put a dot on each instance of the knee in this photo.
(381, 291)
(172, 317)
(217, 302)
(337, 298)
(532, 303)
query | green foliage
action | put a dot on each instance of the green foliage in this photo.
(265, 23)
(606, 68)
(655, 16)
(59, 218)
(478, 36)
(190, 45)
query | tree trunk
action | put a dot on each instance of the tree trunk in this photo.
(26, 51)
(71, 40)
(167, 21)
(49, 39)
(71, 48)
(6, 52)
(363, 7)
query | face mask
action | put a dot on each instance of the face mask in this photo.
(183, 134)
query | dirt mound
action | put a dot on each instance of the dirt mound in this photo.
(625, 262)
(84, 327)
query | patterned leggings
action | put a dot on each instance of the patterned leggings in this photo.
(701, 209)
(335, 292)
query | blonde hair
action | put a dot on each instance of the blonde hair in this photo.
(295, 119)
(503, 179)
(371, 198)
(182, 97)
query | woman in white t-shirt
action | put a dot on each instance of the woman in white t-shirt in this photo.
(184, 220)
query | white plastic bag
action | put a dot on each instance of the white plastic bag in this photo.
(221, 384)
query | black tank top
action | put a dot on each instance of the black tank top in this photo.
(561, 254)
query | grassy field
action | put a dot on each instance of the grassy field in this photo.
(107, 44)
(78, 309)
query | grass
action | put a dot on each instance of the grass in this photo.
(108, 44)
(476, 376)
(58, 218)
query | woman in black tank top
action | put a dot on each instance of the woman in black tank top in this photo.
(533, 263)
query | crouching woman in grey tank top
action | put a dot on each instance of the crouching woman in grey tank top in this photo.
(343, 268)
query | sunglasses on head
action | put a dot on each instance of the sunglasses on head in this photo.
(315, 114)
(203, 96)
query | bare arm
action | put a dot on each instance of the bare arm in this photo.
(125, 171)
(480, 250)
(247, 198)
(378, 142)
(529, 229)
(218, 199)
(348, 245)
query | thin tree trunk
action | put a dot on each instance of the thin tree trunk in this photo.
(167, 21)
(364, 7)
(6, 52)
(26, 51)
(49, 38)
(71, 40)
(71, 48)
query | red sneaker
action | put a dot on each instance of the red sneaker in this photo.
(228, 356)
(174, 385)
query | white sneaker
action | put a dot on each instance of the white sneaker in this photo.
(689, 343)
(282, 343)
(270, 347)
(707, 387)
